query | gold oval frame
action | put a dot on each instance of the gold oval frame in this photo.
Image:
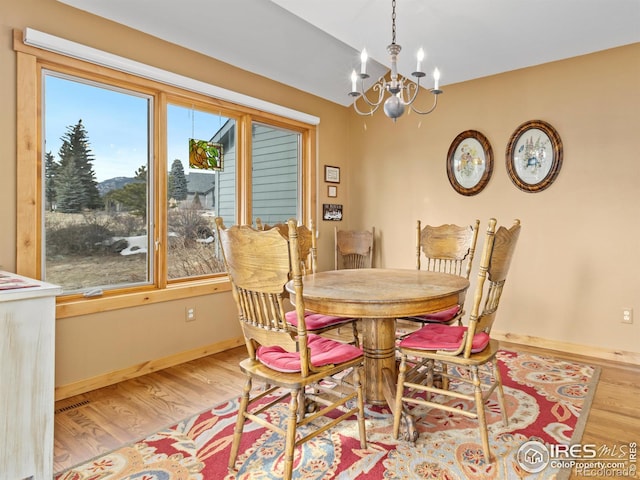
(487, 153)
(516, 145)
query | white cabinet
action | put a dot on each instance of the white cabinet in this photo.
(27, 336)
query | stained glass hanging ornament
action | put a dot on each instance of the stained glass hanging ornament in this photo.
(204, 154)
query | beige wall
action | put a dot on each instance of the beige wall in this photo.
(577, 261)
(135, 339)
(576, 264)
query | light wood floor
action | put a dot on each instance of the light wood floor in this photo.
(99, 421)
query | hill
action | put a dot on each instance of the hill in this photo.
(113, 184)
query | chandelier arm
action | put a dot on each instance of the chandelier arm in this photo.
(360, 112)
(380, 86)
(433, 107)
(415, 86)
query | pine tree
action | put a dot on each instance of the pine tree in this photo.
(68, 188)
(75, 151)
(177, 181)
(50, 168)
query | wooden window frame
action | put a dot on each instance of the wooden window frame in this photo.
(29, 250)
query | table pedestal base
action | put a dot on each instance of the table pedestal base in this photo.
(379, 355)
(380, 377)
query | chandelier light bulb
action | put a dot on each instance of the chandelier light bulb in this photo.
(420, 58)
(363, 59)
(436, 78)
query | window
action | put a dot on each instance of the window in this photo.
(275, 161)
(120, 193)
(96, 189)
(201, 150)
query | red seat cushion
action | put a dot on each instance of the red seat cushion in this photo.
(445, 316)
(315, 321)
(324, 351)
(443, 337)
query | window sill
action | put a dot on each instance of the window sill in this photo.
(66, 308)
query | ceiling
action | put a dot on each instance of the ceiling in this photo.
(313, 45)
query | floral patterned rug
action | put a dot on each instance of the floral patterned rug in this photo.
(547, 400)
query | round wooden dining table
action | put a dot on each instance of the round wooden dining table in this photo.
(378, 296)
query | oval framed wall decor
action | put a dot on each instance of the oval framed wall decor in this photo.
(469, 162)
(534, 156)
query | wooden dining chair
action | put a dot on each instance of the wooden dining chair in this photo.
(294, 365)
(316, 322)
(448, 249)
(353, 249)
(468, 349)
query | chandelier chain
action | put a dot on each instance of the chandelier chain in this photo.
(393, 21)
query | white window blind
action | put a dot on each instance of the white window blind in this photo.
(76, 50)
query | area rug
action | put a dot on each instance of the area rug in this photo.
(547, 400)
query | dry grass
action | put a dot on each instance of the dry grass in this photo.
(78, 272)
(78, 261)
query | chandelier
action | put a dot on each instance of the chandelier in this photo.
(402, 91)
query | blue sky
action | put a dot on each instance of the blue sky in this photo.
(116, 125)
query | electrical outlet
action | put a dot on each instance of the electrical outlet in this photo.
(627, 315)
(190, 314)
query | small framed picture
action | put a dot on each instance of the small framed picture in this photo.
(332, 191)
(331, 174)
(331, 211)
